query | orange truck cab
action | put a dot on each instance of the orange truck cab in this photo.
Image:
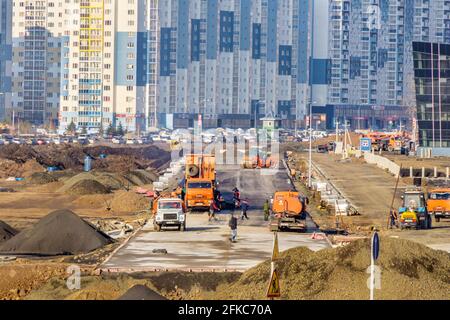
(439, 203)
(289, 211)
(200, 181)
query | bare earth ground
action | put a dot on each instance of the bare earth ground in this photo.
(371, 190)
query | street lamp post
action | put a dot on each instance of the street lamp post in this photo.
(310, 147)
(310, 143)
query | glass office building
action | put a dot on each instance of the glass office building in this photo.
(432, 78)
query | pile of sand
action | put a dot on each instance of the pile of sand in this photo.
(141, 177)
(129, 201)
(6, 232)
(409, 271)
(62, 232)
(141, 292)
(87, 187)
(42, 178)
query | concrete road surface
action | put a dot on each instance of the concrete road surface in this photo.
(206, 245)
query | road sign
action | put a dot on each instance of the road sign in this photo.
(375, 252)
(366, 144)
(274, 290)
(375, 246)
(276, 250)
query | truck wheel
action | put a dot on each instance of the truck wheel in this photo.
(157, 227)
(438, 219)
(183, 227)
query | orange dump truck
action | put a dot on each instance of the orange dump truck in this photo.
(289, 211)
(200, 181)
(438, 203)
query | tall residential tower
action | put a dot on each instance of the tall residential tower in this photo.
(232, 61)
(5, 55)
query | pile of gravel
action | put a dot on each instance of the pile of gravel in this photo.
(88, 187)
(62, 232)
(42, 178)
(6, 232)
(141, 292)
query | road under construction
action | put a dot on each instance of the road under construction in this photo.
(205, 246)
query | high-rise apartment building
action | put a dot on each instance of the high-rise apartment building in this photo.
(367, 57)
(37, 28)
(232, 61)
(105, 65)
(5, 55)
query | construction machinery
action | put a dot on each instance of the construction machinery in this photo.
(387, 141)
(257, 158)
(413, 213)
(438, 203)
(289, 211)
(200, 181)
(169, 212)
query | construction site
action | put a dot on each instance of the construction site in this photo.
(137, 223)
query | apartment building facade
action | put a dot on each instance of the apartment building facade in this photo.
(5, 56)
(107, 47)
(36, 61)
(232, 61)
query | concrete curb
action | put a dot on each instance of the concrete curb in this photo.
(97, 269)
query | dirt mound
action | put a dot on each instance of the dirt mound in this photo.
(141, 292)
(409, 271)
(119, 159)
(128, 201)
(62, 232)
(141, 177)
(6, 232)
(87, 187)
(112, 181)
(42, 178)
(9, 168)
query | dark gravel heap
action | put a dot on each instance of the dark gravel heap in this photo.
(6, 232)
(140, 292)
(62, 232)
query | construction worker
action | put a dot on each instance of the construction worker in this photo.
(212, 211)
(393, 219)
(237, 198)
(233, 223)
(266, 209)
(245, 205)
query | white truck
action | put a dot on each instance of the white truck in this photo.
(170, 212)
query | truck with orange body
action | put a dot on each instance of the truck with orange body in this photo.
(200, 181)
(438, 203)
(289, 211)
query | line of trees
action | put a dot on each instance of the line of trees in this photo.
(111, 130)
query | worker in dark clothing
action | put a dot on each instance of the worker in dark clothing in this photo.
(393, 219)
(245, 205)
(212, 211)
(266, 209)
(237, 198)
(233, 223)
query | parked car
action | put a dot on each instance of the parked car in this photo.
(117, 140)
(131, 141)
(18, 141)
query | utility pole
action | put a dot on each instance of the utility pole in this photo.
(337, 131)
(310, 146)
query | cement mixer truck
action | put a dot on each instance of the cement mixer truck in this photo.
(200, 181)
(288, 211)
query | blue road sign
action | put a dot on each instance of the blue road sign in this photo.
(366, 144)
(375, 246)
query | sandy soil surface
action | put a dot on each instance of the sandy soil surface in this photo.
(371, 189)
